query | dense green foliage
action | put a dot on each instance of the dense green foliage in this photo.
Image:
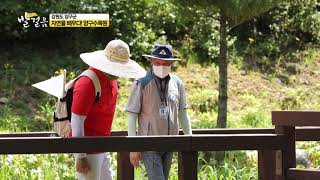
(280, 32)
(193, 31)
(274, 65)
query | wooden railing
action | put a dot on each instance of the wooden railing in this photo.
(285, 123)
(275, 146)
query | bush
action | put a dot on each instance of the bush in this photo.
(255, 118)
(12, 122)
(203, 100)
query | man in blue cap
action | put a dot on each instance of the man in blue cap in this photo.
(158, 101)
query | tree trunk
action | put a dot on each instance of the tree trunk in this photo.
(223, 73)
(223, 81)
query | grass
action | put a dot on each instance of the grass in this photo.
(48, 167)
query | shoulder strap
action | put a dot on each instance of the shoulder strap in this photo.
(94, 78)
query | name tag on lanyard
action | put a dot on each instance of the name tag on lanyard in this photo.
(163, 111)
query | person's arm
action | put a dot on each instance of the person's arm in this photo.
(184, 119)
(133, 109)
(77, 126)
(185, 122)
(131, 118)
(134, 156)
(83, 100)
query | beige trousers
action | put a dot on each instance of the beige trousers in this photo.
(100, 168)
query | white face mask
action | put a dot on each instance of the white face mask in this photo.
(161, 71)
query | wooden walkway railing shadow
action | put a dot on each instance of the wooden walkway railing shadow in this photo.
(275, 146)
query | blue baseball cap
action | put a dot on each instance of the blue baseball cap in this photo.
(162, 52)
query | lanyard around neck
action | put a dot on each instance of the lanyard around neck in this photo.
(162, 86)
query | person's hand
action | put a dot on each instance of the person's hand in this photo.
(82, 165)
(135, 158)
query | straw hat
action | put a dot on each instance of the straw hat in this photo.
(114, 60)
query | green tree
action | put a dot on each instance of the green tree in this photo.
(232, 13)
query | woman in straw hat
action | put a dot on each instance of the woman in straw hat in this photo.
(158, 100)
(94, 118)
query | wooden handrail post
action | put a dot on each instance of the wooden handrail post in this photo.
(188, 165)
(266, 164)
(289, 152)
(180, 166)
(125, 170)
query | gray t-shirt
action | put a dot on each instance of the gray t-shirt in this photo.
(145, 101)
